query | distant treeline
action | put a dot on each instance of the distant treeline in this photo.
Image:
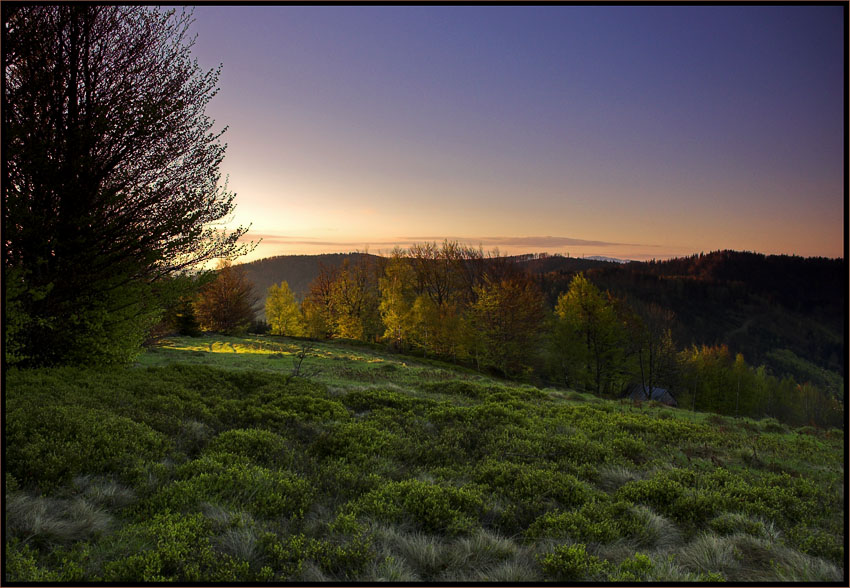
(590, 325)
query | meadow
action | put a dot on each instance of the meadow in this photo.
(269, 459)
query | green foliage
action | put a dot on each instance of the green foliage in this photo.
(598, 521)
(48, 445)
(590, 335)
(570, 563)
(232, 480)
(166, 548)
(346, 552)
(358, 442)
(363, 400)
(506, 318)
(530, 490)
(262, 447)
(282, 311)
(433, 508)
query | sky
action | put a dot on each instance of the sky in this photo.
(634, 132)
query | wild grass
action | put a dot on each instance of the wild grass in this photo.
(210, 462)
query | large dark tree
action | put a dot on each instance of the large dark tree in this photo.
(110, 178)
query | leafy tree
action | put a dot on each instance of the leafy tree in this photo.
(111, 175)
(594, 333)
(226, 305)
(507, 317)
(396, 304)
(354, 301)
(654, 347)
(282, 311)
(317, 307)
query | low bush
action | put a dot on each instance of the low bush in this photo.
(232, 480)
(597, 521)
(169, 548)
(433, 508)
(572, 563)
(47, 446)
(262, 447)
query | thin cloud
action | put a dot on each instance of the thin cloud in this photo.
(547, 241)
(530, 242)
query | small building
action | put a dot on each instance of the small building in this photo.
(640, 393)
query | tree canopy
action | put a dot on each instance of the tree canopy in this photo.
(111, 177)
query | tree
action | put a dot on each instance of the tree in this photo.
(111, 174)
(397, 297)
(317, 305)
(653, 341)
(507, 316)
(593, 328)
(282, 312)
(226, 305)
(354, 301)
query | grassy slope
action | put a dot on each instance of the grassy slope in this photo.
(209, 462)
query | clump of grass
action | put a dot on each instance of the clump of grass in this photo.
(710, 553)
(517, 569)
(192, 437)
(655, 531)
(44, 521)
(241, 543)
(611, 477)
(104, 492)
(467, 556)
(730, 523)
(390, 569)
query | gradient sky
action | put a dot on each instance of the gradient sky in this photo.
(627, 131)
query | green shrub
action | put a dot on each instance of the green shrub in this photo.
(638, 568)
(529, 490)
(285, 556)
(359, 442)
(346, 551)
(434, 508)
(630, 447)
(595, 521)
(571, 563)
(22, 565)
(817, 543)
(260, 446)
(730, 523)
(48, 446)
(362, 400)
(234, 481)
(166, 548)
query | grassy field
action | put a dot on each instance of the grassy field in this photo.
(223, 459)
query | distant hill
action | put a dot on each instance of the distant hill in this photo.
(297, 270)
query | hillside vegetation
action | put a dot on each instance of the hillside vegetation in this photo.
(212, 461)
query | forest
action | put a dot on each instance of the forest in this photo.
(712, 330)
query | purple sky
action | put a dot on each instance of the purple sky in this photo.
(627, 131)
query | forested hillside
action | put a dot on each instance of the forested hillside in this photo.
(782, 311)
(787, 312)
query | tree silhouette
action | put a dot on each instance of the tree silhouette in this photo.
(111, 174)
